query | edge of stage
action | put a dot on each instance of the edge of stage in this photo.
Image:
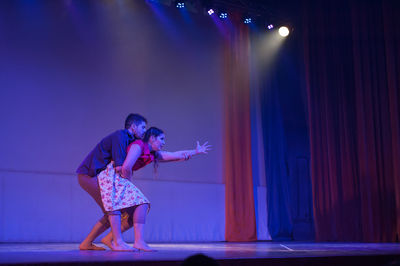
(249, 253)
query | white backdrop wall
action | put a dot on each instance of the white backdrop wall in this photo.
(53, 208)
(70, 72)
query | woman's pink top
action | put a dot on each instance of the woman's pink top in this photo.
(145, 158)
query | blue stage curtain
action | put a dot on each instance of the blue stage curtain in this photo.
(283, 106)
(280, 224)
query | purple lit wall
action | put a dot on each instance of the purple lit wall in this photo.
(70, 72)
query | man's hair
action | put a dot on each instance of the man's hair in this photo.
(134, 119)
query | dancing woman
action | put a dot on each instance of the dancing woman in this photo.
(119, 193)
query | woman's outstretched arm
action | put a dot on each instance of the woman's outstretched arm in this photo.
(166, 156)
(133, 154)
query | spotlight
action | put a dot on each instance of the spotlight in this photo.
(208, 7)
(283, 31)
(270, 26)
(223, 15)
(180, 4)
(246, 18)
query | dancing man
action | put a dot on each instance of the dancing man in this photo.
(111, 148)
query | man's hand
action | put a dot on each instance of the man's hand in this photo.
(126, 173)
(118, 169)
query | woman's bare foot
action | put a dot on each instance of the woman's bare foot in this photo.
(121, 246)
(107, 241)
(143, 246)
(90, 246)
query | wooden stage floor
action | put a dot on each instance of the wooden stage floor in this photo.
(252, 253)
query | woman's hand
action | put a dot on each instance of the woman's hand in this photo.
(203, 148)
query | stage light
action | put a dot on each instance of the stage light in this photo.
(270, 26)
(283, 31)
(208, 7)
(223, 15)
(180, 4)
(247, 21)
(247, 18)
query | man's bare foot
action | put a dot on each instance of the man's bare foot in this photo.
(107, 241)
(122, 246)
(90, 246)
(143, 246)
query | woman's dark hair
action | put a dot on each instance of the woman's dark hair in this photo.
(153, 131)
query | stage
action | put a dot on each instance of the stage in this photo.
(251, 253)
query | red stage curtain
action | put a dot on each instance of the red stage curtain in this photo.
(240, 224)
(391, 25)
(352, 62)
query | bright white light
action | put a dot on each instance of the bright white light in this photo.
(283, 31)
(210, 11)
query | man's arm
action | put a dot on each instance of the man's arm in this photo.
(118, 148)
